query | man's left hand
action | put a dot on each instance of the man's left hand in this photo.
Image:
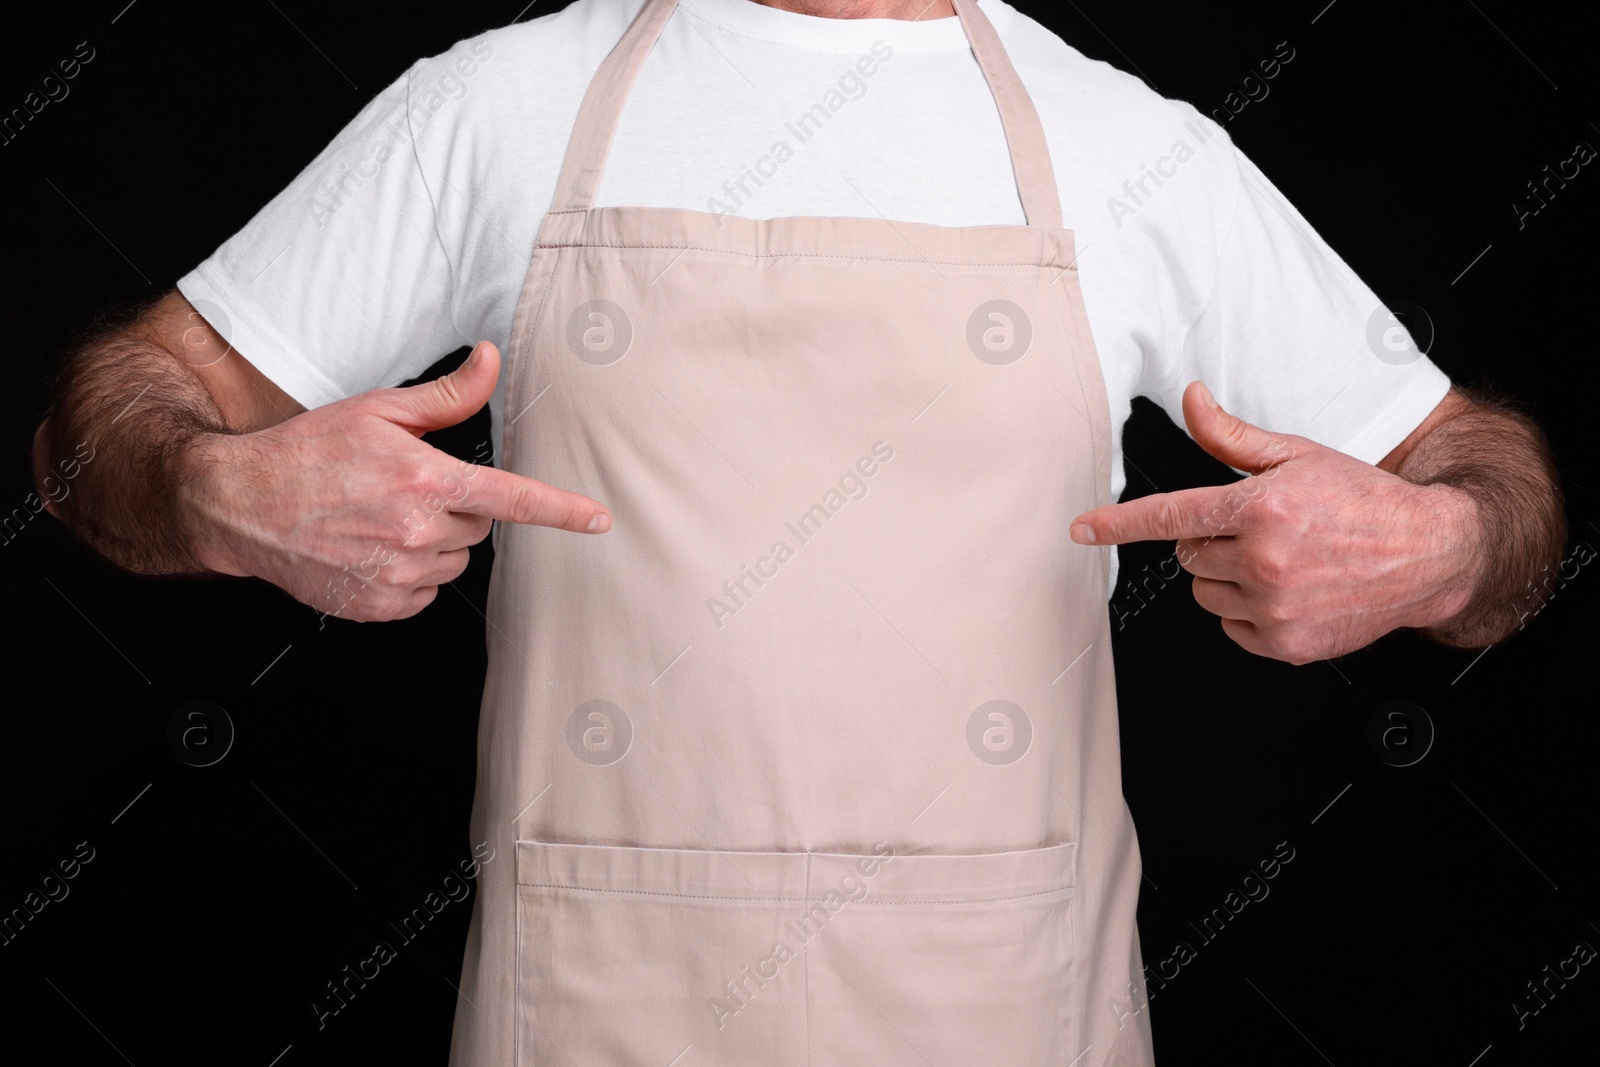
(1316, 553)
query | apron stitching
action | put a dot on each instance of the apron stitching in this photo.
(1091, 410)
(516, 1017)
(514, 379)
(1088, 407)
(808, 970)
(1020, 263)
(1067, 889)
(1070, 890)
(659, 893)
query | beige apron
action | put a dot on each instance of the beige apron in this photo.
(812, 759)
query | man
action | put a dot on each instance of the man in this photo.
(809, 754)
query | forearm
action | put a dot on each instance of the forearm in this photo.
(1499, 462)
(133, 408)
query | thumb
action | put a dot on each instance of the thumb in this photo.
(450, 398)
(1229, 438)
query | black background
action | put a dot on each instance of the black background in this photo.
(1416, 906)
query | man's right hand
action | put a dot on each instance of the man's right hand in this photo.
(346, 509)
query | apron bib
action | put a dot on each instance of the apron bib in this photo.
(811, 759)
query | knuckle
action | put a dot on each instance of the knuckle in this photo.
(1272, 645)
(1271, 568)
(417, 476)
(1293, 648)
(447, 390)
(1169, 514)
(394, 606)
(520, 503)
(402, 572)
(1271, 507)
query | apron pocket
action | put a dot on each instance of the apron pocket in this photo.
(944, 959)
(652, 956)
(649, 956)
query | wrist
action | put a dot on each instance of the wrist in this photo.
(202, 467)
(1455, 558)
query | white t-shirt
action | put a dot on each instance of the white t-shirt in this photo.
(410, 234)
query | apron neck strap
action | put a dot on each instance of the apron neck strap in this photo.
(598, 116)
(1030, 152)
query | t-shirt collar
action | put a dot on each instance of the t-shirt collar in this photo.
(843, 36)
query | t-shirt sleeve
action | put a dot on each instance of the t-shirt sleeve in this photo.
(1290, 338)
(340, 284)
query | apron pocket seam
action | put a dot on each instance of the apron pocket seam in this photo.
(659, 893)
(1064, 891)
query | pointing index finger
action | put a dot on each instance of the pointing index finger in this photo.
(1210, 511)
(499, 494)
